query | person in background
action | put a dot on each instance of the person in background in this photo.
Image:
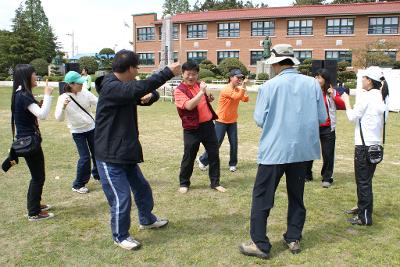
(87, 79)
(26, 111)
(227, 111)
(288, 109)
(368, 113)
(327, 134)
(193, 104)
(117, 148)
(341, 88)
(75, 104)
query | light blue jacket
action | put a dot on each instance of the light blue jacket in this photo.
(289, 109)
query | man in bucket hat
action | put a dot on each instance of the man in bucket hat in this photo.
(289, 109)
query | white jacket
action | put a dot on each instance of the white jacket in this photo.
(77, 120)
(369, 108)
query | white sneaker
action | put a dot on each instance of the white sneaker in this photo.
(232, 168)
(220, 189)
(160, 223)
(183, 190)
(82, 190)
(129, 244)
(202, 167)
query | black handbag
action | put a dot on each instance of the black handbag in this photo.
(374, 152)
(26, 145)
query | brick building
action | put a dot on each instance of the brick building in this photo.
(314, 31)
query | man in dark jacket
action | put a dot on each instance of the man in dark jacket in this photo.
(117, 147)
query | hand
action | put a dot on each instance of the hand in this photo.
(345, 98)
(330, 91)
(66, 102)
(175, 68)
(48, 90)
(146, 98)
(203, 87)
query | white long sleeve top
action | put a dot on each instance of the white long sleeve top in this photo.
(369, 108)
(77, 120)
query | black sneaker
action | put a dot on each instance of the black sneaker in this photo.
(43, 215)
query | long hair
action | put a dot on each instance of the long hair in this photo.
(324, 73)
(22, 78)
(384, 88)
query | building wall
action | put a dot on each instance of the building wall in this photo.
(318, 43)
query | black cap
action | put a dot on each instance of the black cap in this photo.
(236, 72)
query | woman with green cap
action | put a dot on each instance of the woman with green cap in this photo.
(74, 105)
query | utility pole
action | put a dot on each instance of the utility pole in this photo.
(73, 42)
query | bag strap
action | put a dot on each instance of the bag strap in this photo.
(384, 126)
(361, 133)
(84, 110)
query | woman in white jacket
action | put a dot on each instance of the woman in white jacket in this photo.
(74, 104)
(368, 112)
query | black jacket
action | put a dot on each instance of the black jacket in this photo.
(117, 133)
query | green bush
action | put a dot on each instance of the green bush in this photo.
(90, 63)
(40, 65)
(252, 75)
(205, 73)
(228, 64)
(262, 76)
(208, 65)
(351, 84)
(143, 75)
(346, 75)
(54, 78)
(396, 65)
(305, 67)
(342, 65)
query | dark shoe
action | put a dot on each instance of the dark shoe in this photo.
(43, 215)
(357, 221)
(353, 210)
(294, 246)
(309, 178)
(250, 249)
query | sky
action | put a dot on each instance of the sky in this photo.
(95, 23)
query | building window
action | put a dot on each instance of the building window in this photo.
(145, 34)
(175, 56)
(300, 27)
(388, 25)
(221, 55)
(255, 56)
(339, 26)
(159, 29)
(263, 28)
(197, 56)
(146, 58)
(197, 31)
(302, 55)
(175, 32)
(339, 55)
(231, 29)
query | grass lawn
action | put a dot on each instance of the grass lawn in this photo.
(206, 227)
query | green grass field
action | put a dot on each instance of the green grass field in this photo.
(206, 227)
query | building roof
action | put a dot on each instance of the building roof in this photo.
(290, 11)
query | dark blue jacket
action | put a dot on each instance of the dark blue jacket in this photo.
(117, 133)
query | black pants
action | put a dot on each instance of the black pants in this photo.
(205, 134)
(35, 164)
(327, 139)
(267, 180)
(364, 171)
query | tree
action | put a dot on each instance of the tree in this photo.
(374, 54)
(357, 1)
(90, 63)
(223, 4)
(228, 64)
(105, 56)
(305, 67)
(308, 2)
(208, 65)
(107, 51)
(40, 65)
(173, 7)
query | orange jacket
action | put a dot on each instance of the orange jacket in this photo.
(228, 103)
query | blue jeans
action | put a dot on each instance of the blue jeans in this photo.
(118, 180)
(85, 145)
(220, 130)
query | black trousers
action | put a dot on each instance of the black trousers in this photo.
(35, 164)
(205, 134)
(267, 180)
(327, 139)
(364, 172)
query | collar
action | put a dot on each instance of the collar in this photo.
(288, 70)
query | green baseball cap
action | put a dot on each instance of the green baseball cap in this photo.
(74, 77)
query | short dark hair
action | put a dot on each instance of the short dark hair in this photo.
(287, 61)
(123, 60)
(190, 65)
